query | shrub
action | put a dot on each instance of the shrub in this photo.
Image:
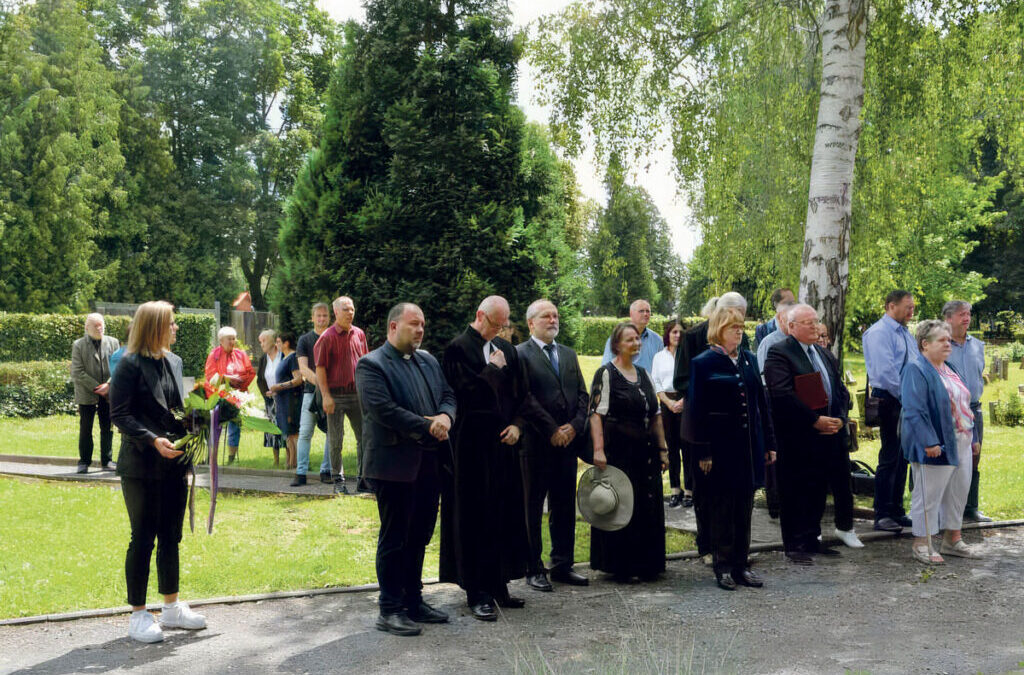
(594, 330)
(36, 389)
(1013, 351)
(48, 337)
(1009, 413)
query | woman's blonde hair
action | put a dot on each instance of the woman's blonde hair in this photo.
(721, 320)
(151, 329)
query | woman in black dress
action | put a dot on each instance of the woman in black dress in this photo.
(144, 390)
(625, 424)
(733, 440)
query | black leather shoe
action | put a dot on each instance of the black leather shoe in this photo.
(748, 578)
(676, 501)
(300, 479)
(484, 611)
(510, 602)
(424, 613)
(905, 521)
(725, 582)
(83, 468)
(110, 466)
(687, 501)
(570, 577)
(827, 551)
(888, 525)
(325, 477)
(539, 582)
(397, 624)
(799, 558)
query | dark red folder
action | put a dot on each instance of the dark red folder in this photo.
(810, 389)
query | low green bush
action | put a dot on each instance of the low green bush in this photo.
(48, 337)
(1009, 413)
(1013, 351)
(36, 389)
(595, 330)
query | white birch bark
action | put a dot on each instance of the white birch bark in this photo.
(824, 274)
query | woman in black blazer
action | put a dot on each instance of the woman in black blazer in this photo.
(143, 392)
(733, 435)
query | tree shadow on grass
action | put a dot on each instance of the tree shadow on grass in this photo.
(122, 653)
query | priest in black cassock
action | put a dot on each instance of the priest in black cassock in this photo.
(483, 530)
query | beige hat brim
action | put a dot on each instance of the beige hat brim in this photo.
(619, 517)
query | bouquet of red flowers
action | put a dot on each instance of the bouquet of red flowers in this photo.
(208, 407)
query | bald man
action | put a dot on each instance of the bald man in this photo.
(90, 371)
(650, 342)
(484, 542)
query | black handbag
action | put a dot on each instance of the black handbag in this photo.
(863, 478)
(316, 406)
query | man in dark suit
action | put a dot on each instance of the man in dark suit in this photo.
(779, 296)
(408, 409)
(484, 544)
(549, 457)
(810, 428)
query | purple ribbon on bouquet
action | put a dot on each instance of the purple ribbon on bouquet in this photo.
(214, 442)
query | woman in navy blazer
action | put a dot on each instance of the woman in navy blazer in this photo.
(734, 439)
(144, 391)
(938, 437)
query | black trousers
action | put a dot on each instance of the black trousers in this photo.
(891, 474)
(550, 472)
(702, 505)
(86, 415)
(731, 511)
(678, 452)
(972, 497)
(408, 514)
(156, 510)
(837, 475)
(803, 484)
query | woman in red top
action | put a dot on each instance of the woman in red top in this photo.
(234, 366)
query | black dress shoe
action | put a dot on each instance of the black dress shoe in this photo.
(747, 578)
(424, 613)
(300, 479)
(325, 477)
(397, 624)
(888, 525)
(905, 521)
(799, 558)
(725, 582)
(687, 501)
(484, 611)
(510, 602)
(676, 501)
(827, 550)
(109, 466)
(539, 582)
(83, 468)
(570, 577)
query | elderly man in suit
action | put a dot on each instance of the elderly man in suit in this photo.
(550, 446)
(408, 409)
(810, 405)
(90, 372)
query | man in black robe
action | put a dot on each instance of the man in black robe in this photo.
(483, 529)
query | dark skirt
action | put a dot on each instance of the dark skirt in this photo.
(286, 405)
(639, 548)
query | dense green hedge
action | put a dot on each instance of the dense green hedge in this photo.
(48, 337)
(594, 330)
(36, 389)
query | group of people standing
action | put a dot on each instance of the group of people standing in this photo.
(494, 431)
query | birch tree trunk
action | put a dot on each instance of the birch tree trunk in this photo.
(824, 274)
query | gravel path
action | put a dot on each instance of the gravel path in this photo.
(872, 610)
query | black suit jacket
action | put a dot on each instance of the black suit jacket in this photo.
(794, 421)
(563, 397)
(396, 432)
(693, 343)
(140, 411)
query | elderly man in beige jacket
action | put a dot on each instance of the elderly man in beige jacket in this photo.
(90, 372)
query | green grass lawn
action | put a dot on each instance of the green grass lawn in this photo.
(64, 545)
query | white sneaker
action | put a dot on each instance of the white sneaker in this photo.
(179, 615)
(849, 537)
(142, 626)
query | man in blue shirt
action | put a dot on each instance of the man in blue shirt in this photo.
(776, 336)
(779, 296)
(650, 342)
(888, 346)
(968, 357)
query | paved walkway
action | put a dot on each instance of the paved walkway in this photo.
(872, 610)
(231, 479)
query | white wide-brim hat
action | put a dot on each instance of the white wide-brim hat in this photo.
(605, 498)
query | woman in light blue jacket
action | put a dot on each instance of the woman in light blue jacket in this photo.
(937, 433)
